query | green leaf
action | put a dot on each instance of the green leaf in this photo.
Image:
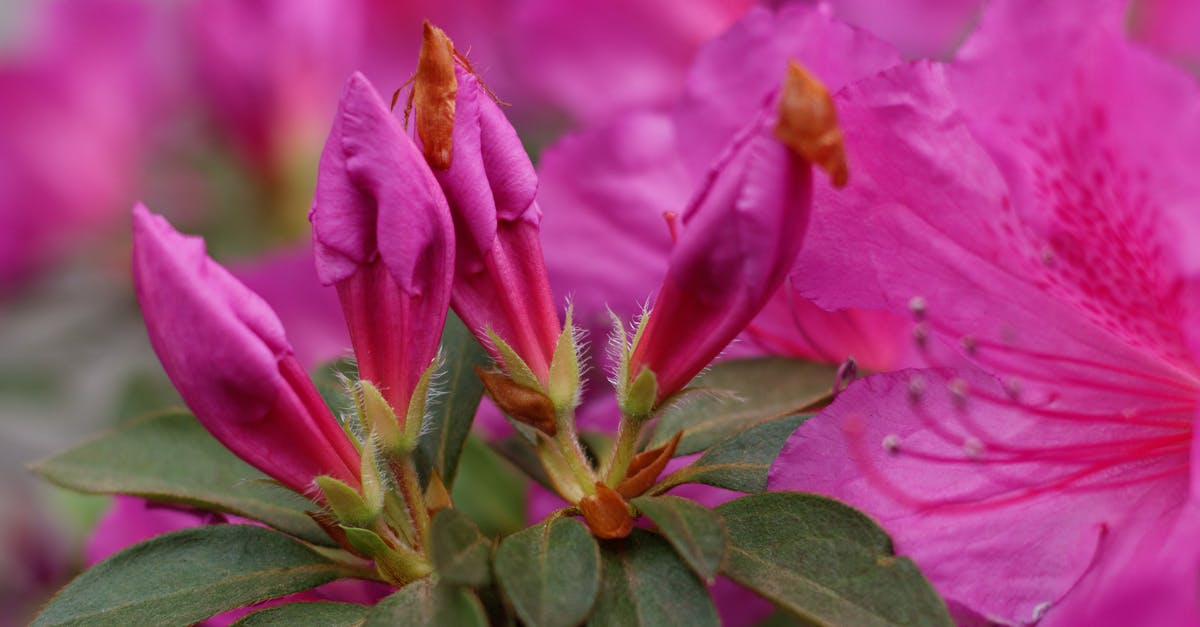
(696, 532)
(460, 554)
(739, 462)
(825, 561)
(311, 614)
(645, 583)
(489, 490)
(550, 572)
(746, 392)
(448, 415)
(170, 457)
(427, 602)
(186, 576)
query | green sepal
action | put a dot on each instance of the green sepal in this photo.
(399, 566)
(563, 387)
(383, 423)
(639, 401)
(514, 365)
(414, 419)
(373, 487)
(347, 504)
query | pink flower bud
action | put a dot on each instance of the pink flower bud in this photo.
(500, 276)
(384, 237)
(740, 236)
(225, 351)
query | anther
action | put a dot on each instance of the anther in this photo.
(973, 448)
(891, 443)
(1012, 386)
(916, 388)
(846, 374)
(916, 305)
(958, 391)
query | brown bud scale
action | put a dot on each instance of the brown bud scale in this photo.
(525, 405)
(645, 467)
(606, 513)
(808, 123)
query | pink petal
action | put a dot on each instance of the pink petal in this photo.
(225, 351)
(736, 71)
(923, 469)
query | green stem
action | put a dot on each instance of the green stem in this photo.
(572, 452)
(410, 489)
(623, 450)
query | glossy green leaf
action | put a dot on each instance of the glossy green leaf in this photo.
(550, 573)
(696, 532)
(186, 576)
(646, 584)
(825, 561)
(461, 555)
(170, 457)
(489, 490)
(746, 392)
(739, 462)
(429, 603)
(308, 614)
(449, 414)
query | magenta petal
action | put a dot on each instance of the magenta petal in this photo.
(288, 282)
(738, 240)
(605, 190)
(226, 353)
(918, 28)
(927, 467)
(1170, 28)
(384, 236)
(734, 72)
(500, 277)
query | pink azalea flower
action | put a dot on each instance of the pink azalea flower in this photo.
(500, 279)
(226, 353)
(1034, 204)
(607, 187)
(383, 236)
(737, 240)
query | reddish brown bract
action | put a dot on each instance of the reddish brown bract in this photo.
(432, 97)
(808, 123)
